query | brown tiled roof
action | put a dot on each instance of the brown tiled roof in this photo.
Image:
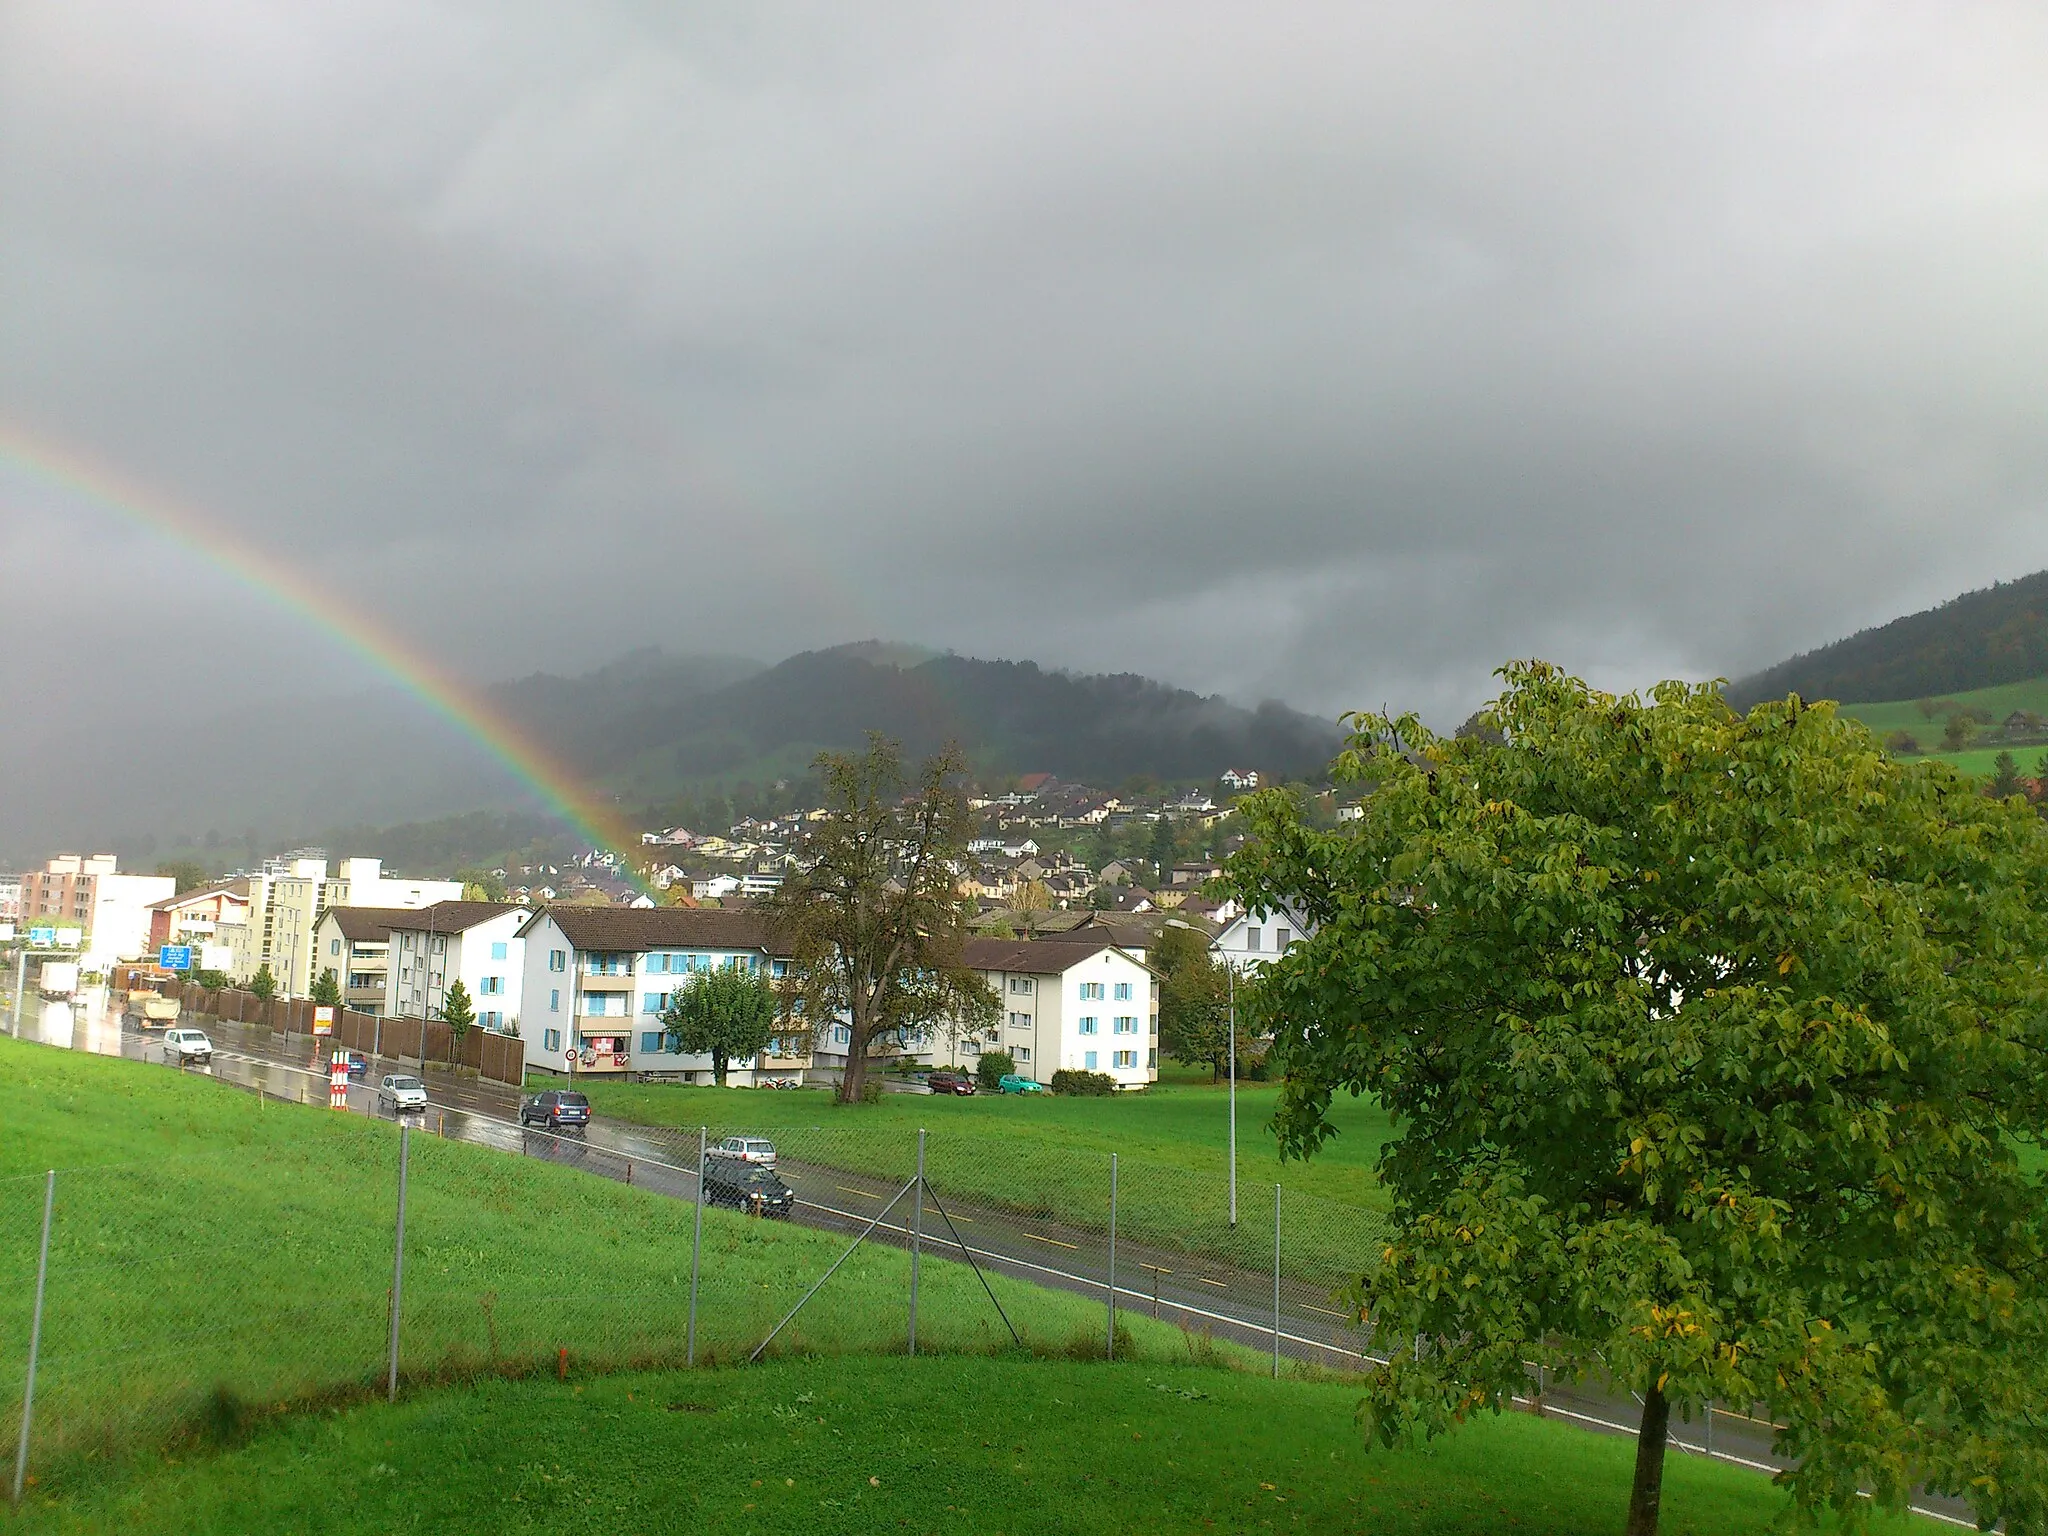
(371, 925)
(172, 903)
(1042, 957)
(452, 916)
(628, 928)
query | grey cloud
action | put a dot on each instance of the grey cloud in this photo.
(1328, 352)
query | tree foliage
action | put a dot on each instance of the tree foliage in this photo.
(873, 920)
(726, 1014)
(264, 983)
(188, 874)
(1712, 1043)
(327, 987)
(457, 1011)
(1195, 994)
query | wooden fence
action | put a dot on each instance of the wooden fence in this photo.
(494, 1057)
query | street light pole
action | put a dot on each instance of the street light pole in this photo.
(1233, 1094)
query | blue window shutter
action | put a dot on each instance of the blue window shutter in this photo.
(1089, 1061)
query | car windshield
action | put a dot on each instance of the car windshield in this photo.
(406, 1082)
(760, 1178)
(573, 1101)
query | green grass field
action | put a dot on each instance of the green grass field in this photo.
(1904, 715)
(1049, 1157)
(860, 1445)
(212, 1254)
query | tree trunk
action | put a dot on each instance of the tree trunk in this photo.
(718, 1067)
(855, 1075)
(1646, 1495)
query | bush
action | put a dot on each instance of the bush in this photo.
(1902, 742)
(1083, 1085)
(993, 1067)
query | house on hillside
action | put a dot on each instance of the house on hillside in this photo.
(598, 978)
(1239, 778)
(1251, 939)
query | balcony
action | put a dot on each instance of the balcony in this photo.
(595, 983)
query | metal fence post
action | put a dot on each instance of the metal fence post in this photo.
(696, 1244)
(1710, 1426)
(1276, 1282)
(916, 1239)
(398, 1258)
(1109, 1352)
(35, 1339)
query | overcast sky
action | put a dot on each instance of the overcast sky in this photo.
(1332, 353)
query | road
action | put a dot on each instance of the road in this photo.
(1204, 1297)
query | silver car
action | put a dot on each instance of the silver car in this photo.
(398, 1092)
(757, 1150)
(183, 1045)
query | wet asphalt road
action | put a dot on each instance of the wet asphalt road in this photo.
(1177, 1288)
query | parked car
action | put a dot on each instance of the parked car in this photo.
(1010, 1082)
(746, 1187)
(399, 1091)
(557, 1109)
(183, 1045)
(749, 1149)
(950, 1082)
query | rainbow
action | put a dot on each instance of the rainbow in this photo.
(71, 476)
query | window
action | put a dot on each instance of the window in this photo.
(1126, 1024)
(653, 1002)
(1088, 1061)
(1087, 1024)
(1020, 1021)
(841, 1035)
(1251, 938)
(491, 986)
(334, 946)
(1155, 1025)
(490, 1020)
(499, 950)
(558, 960)
(1125, 1059)
(1152, 1057)
(1282, 938)
(1021, 985)
(1123, 991)
(551, 1040)
(651, 1041)
(1091, 991)
(780, 968)
(1022, 1053)
(554, 1000)
(440, 944)
(654, 965)
(598, 1005)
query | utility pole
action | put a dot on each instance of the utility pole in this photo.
(1233, 1093)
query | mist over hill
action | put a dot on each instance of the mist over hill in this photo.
(645, 727)
(1978, 640)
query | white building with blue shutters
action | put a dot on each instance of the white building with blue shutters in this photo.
(597, 979)
(1076, 1002)
(474, 942)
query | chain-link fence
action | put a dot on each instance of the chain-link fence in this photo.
(183, 1297)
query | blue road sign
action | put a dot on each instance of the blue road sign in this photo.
(175, 957)
(42, 935)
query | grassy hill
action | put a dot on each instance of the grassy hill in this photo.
(2030, 695)
(1979, 640)
(858, 1445)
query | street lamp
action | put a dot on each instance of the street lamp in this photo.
(1232, 983)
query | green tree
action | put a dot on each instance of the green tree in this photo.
(727, 1013)
(457, 1011)
(1712, 1042)
(2005, 776)
(263, 983)
(873, 921)
(993, 1067)
(1956, 734)
(1195, 1010)
(327, 987)
(188, 874)
(482, 885)
(1161, 850)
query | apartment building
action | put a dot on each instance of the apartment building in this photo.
(355, 943)
(290, 895)
(1073, 1003)
(214, 921)
(90, 892)
(597, 979)
(474, 942)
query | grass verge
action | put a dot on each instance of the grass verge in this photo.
(859, 1445)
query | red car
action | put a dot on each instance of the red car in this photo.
(950, 1082)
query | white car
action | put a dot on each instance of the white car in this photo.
(401, 1092)
(749, 1149)
(183, 1045)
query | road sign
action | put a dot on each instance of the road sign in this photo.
(42, 935)
(323, 1018)
(174, 957)
(569, 1056)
